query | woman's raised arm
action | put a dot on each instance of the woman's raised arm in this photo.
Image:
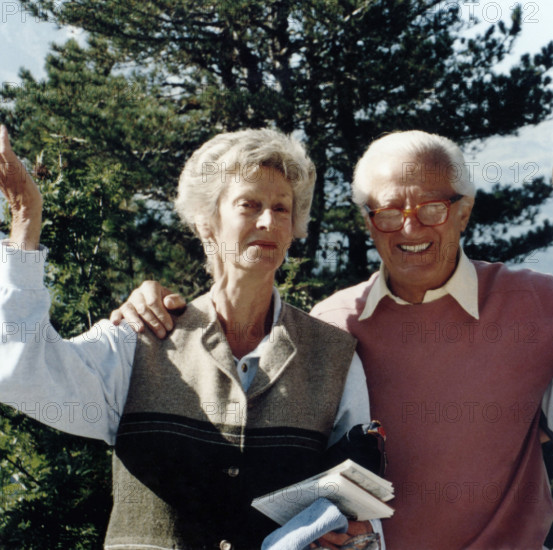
(22, 195)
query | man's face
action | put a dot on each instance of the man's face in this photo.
(418, 257)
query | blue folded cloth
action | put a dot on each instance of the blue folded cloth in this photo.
(306, 527)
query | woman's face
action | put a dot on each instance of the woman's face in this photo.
(254, 227)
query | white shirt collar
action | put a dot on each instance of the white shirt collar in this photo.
(252, 358)
(462, 286)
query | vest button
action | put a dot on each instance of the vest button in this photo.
(233, 472)
(225, 545)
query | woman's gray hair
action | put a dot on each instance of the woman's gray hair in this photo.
(408, 145)
(230, 156)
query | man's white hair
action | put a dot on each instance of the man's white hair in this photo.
(413, 144)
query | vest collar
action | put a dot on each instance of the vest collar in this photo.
(280, 342)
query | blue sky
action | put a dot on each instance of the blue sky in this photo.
(25, 41)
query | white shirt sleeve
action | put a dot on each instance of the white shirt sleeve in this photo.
(77, 386)
(355, 409)
(547, 405)
(354, 406)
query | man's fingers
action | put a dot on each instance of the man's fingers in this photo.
(151, 309)
(324, 543)
(116, 317)
(336, 539)
(156, 315)
(146, 313)
(355, 528)
(147, 305)
(175, 303)
(129, 313)
(359, 527)
(149, 300)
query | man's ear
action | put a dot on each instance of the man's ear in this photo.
(366, 218)
(368, 224)
(466, 208)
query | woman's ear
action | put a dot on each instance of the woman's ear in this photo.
(203, 227)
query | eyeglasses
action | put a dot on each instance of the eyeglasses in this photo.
(429, 213)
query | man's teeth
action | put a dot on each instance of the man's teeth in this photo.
(414, 247)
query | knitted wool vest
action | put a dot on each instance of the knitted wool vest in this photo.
(193, 449)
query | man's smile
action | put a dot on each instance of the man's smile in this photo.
(415, 248)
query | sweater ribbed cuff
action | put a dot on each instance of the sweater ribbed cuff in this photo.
(22, 269)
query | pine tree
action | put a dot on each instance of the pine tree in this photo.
(108, 129)
(338, 72)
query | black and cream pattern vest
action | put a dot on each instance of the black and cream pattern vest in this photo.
(193, 449)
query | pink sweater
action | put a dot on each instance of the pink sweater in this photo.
(460, 399)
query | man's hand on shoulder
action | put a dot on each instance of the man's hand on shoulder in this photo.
(150, 305)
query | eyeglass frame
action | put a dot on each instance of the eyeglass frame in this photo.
(408, 211)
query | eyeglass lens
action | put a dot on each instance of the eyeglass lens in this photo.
(392, 219)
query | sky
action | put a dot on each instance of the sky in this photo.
(24, 42)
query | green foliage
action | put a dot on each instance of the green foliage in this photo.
(504, 223)
(101, 145)
(108, 129)
(55, 488)
(299, 293)
(339, 72)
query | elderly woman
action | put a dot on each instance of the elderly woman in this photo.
(244, 395)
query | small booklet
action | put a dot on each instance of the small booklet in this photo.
(359, 494)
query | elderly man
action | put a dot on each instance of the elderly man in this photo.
(457, 355)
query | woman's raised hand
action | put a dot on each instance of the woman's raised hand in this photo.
(23, 196)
